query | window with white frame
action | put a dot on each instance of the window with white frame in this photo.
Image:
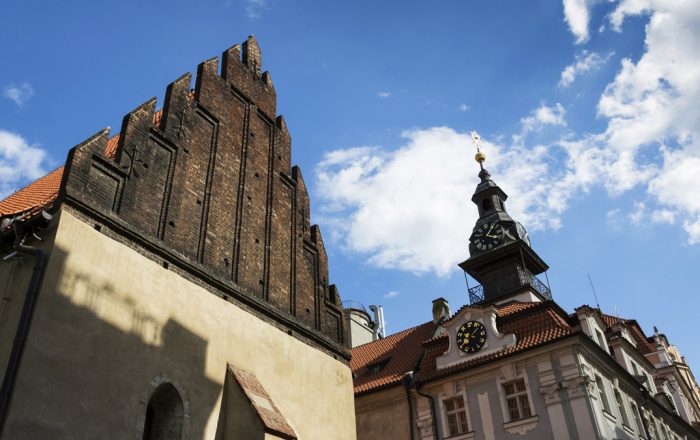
(517, 402)
(601, 394)
(601, 339)
(621, 408)
(456, 415)
(635, 370)
(637, 419)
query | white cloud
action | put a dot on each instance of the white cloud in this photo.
(19, 162)
(652, 105)
(384, 94)
(663, 216)
(392, 294)
(409, 209)
(540, 117)
(641, 216)
(577, 16)
(652, 136)
(637, 216)
(463, 107)
(584, 62)
(20, 94)
(255, 8)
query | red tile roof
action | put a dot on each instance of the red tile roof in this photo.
(393, 356)
(42, 193)
(34, 197)
(643, 344)
(533, 323)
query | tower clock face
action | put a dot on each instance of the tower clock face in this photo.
(488, 236)
(471, 336)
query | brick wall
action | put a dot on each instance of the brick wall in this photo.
(210, 183)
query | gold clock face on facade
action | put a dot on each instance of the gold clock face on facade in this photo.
(471, 336)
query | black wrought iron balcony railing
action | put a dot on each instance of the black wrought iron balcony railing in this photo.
(351, 304)
(477, 294)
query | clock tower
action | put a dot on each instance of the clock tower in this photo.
(500, 254)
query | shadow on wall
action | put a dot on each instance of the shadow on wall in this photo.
(95, 366)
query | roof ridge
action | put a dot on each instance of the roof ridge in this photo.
(393, 335)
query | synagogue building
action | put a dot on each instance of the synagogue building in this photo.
(166, 282)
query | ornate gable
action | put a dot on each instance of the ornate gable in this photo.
(495, 340)
(208, 186)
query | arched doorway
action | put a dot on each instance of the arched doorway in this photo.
(164, 414)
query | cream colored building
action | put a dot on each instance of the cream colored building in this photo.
(167, 284)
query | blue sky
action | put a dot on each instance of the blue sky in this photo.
(587, 109)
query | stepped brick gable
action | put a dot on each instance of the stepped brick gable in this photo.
(207, 184)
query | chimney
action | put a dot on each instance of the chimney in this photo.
(441, 310)
(379, 322)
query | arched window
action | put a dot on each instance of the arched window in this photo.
(164, 414)
(486, 204)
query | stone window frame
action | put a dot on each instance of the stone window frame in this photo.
(460, 412)
(637, 416)
(600, 338)
(621, 408)
(602, 395)
(504, 398)
(459, 390)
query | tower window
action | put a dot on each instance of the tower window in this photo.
(486, 204)
(164, 414)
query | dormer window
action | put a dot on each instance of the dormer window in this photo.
(601, 339)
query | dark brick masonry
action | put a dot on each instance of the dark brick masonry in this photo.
(211, 188)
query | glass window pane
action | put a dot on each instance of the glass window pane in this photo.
(452, 421)
(508, 388)
(525, 406)
(513, 408)
(463, 421)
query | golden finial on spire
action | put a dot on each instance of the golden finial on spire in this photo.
(479, 157)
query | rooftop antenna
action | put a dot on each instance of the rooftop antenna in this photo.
(593, 289)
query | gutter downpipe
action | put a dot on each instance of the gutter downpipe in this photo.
(408, 383)
(432, 411)
(30, 298)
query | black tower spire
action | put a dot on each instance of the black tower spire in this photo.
(501, 257)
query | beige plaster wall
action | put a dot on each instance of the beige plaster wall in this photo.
(383, 415)
(15, 274)
(111, 325)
